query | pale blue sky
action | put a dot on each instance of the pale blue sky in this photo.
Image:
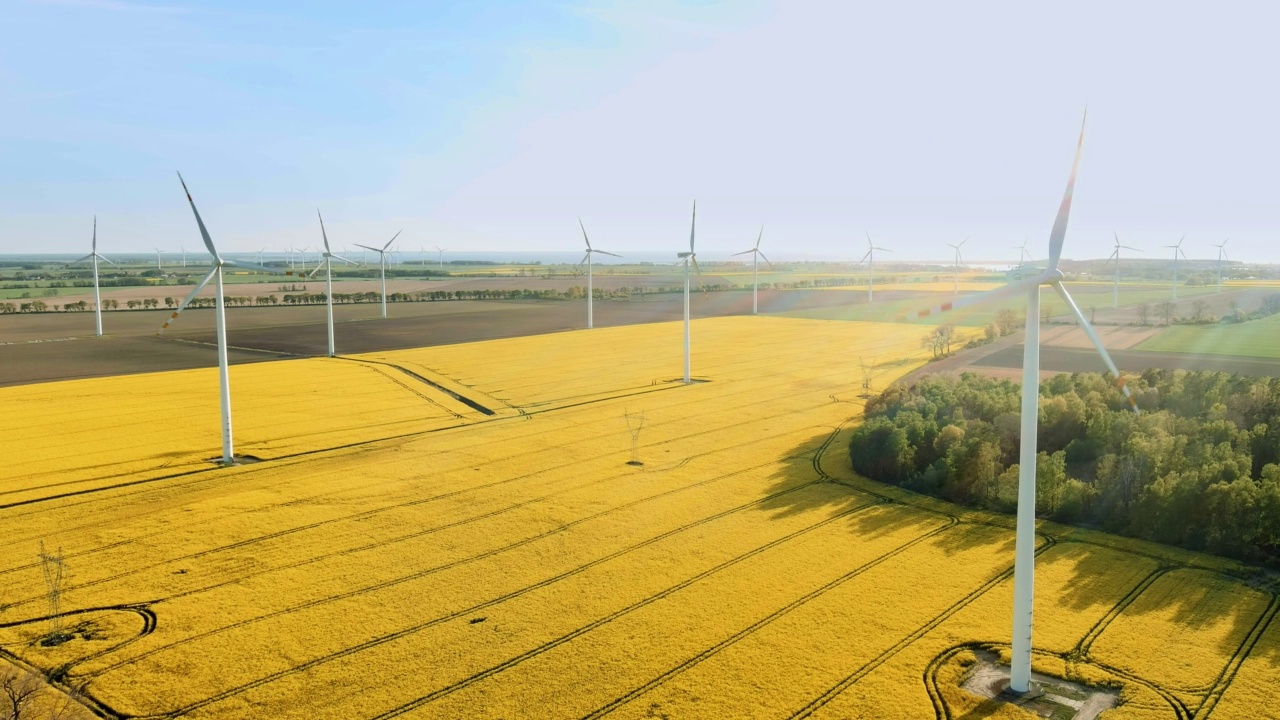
(490, 126)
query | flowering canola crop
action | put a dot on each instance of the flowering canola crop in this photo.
(401, 553)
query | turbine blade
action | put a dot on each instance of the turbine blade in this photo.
(317, 268)
(73, 262)
(746, 252)
(584, 259)
(602, 252)
(393, 239)
(339, 257)
(105, 260)
(1126, 247)
(765, 258)
(693, 223)
(584, 234)
(1011, 290)
(366, 247)
(323, 234)
(204, 234)
(95, 234)
(183, 305)
(1059, 232)
(759, 237)
(1097, 343)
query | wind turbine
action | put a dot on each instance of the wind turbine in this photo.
(327, 259)
(97, 298)
(1023, 255)
(184, 254)
(687, 259)
(440, 256)
(1115, 254)
(260, 252)
(587, 259)
(158, 265)
(228, 451)
(1024, 562)
(870, 257)
(422, 249)
(1222, 254)
(756, 254)
(956, 291)
(382, 262)
(1177, 250)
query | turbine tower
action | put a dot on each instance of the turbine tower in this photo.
(587, 259)
(870, 257)
(956, 290)
(220, 318)
(158, 265)
(382, 263)
(1024, 562)
(1222, 255)
(756, 254)
(326, 259)
(687, 259)
(1177, 250)
(97, 297)
(183, 248)
(440, 256)
(1115, 255)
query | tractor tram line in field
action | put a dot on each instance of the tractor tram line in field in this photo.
(248, 477)
(431, 570)
(741, 415)
(471, 610)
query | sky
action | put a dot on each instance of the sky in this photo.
(495, 125)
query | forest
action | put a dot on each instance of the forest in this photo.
(1198, 466)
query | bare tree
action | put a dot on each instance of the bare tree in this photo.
(54, 570)
(1093, 315)
(1197, 309)
(1144, 314)
(635, 423)
(1166, 310)
(18, 690)
(939, 340)
(1007, 321)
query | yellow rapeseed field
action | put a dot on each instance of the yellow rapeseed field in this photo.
(400, 553)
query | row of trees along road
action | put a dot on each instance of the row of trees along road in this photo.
(1198, 468)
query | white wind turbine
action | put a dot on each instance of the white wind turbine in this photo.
(382, 263)
(756, 254)
(1222, 255)
(184, 254)
(440, 256)
(956, 290)
(587, 259)
(870, 257)
(687, 259)
(158, 265)
(1024, 553)
(423, 250)
(228, 451)
(1115, 255)
(1023, 255)
(326, 260)
(1177, 250)
(97, 297)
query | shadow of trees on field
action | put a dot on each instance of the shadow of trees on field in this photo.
(1097, 573)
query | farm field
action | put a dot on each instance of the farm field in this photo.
(1255, 338)
(402, 554)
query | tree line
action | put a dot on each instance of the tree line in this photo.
(1199, 467)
